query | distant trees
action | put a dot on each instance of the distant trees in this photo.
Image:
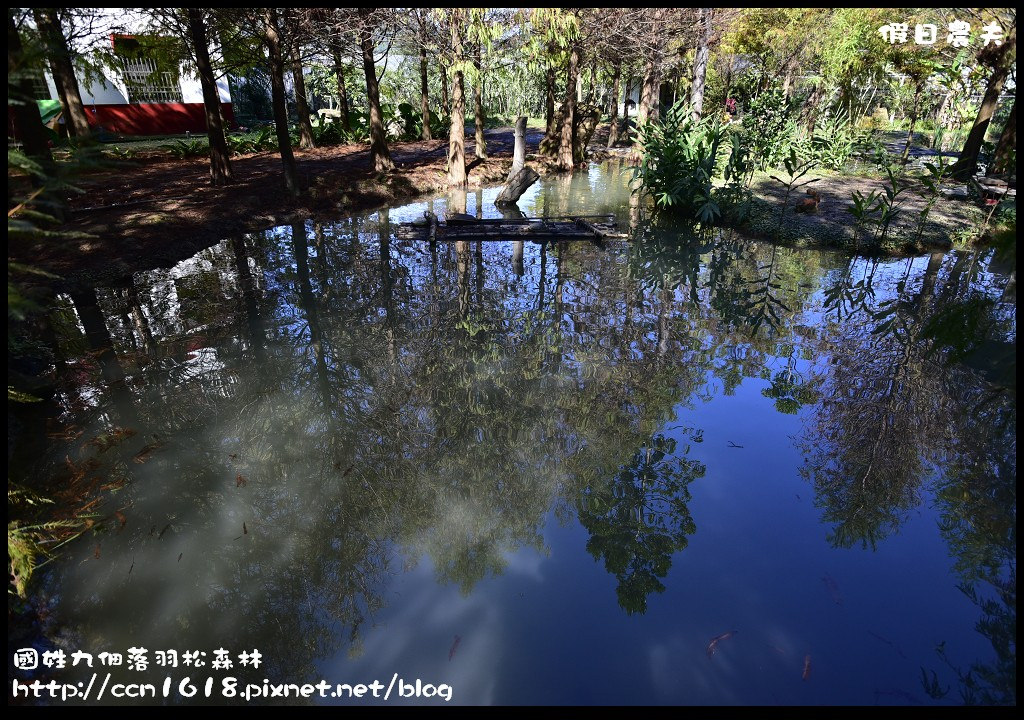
(574, 66)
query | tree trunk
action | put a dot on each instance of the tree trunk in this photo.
(424, 94)
(339, 74)
(378, 137)
(517, 183)
(940, 116)
(478, 107)
(457, 132)
(517, 258)
(445, 96)
(700, 64)
(592, 89)
(1007, 143)
(586, 122)
(565, 146)
(918, 87)
(63, 71)
(220, 158)
(27, 122)
(647, 110)
(625, 111)
(301, 102)
(549, 95)
(284, 143)
(613, 109)
(519, 149)
(810, 109)
(966, 166)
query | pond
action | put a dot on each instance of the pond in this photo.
(678, 470)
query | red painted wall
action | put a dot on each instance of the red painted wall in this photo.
(153, 118)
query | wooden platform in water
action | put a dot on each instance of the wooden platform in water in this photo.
(465, 228)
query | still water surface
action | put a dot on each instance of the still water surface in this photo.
(553, 474)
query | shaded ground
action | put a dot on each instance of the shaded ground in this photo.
(834, 226)
(144, 215)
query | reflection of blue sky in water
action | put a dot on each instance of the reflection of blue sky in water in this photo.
(585, 471)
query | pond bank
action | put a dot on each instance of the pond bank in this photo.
(168, 211)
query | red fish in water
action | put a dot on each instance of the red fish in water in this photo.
(455, 646)
(807, 667)
(713, 645)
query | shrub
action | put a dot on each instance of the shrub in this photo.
(679, 161)
(251, 142)
(833, 141)
(187, 148)
(769, 127)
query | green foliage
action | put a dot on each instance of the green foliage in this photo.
(863, 210)
(26, 544)
(738, 172)
(183, 149)
(327, 132)
(680, 158)
(412, 121)
(890, 201)
(932, 181)
(881, 208)
(833, 141)
(770, 127)
(252, 142)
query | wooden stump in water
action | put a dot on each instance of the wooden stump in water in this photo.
(516, 185)
(521, 176)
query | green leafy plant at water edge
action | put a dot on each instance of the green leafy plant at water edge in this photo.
(863, 210)
(932, 181)
(679, 160)
(881, 208)
(738, 172)
(889, 202)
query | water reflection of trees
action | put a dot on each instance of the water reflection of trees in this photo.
(639, 518)
(883, 423)
(445, 400)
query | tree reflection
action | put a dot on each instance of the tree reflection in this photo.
(384, 400)
(639, 518)
(884, 418)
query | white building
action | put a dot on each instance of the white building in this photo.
(139, 98)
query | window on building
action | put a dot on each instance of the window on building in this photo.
(146, 79)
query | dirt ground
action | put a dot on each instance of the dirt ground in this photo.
(833, 225)
(146, 214)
